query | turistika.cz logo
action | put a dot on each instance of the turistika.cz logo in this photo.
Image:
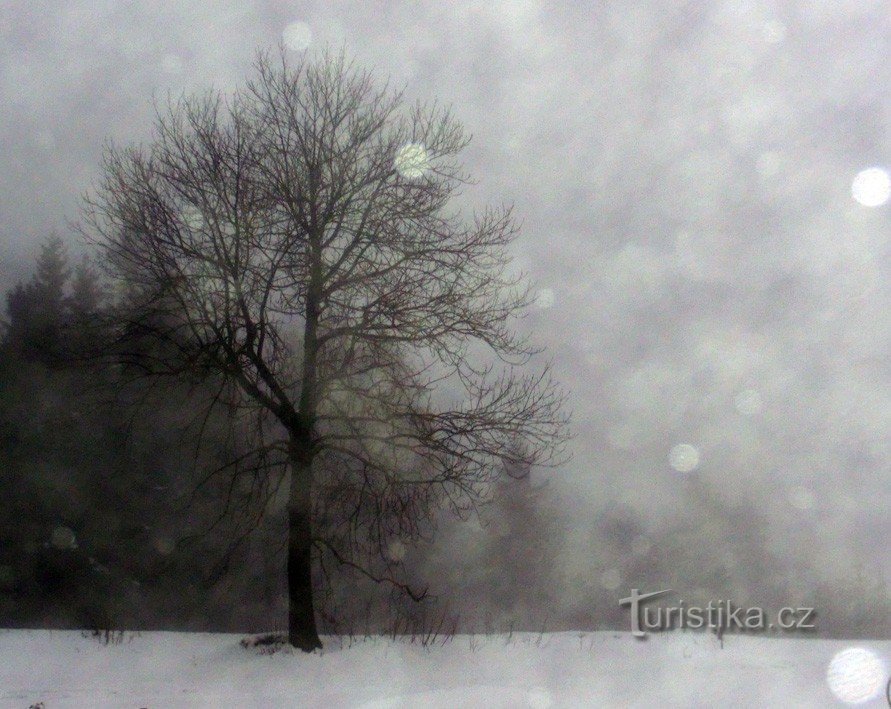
(720, 616)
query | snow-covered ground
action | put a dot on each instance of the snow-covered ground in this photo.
(158, 669)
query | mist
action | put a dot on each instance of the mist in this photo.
(704, 196)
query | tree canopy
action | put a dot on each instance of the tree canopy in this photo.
(298, 244)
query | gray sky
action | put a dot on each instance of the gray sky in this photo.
(684, 173)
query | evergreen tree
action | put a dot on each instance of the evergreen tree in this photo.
(53, 272)
(37, 309)
(83, 305)
(86, 292)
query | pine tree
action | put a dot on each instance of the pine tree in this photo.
(37, 309)
(53, 272)
(86, 292)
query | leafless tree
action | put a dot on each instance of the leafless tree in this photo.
(296, 244)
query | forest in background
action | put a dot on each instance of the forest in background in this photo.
(102, 526)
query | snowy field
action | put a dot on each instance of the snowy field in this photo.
(158, 669)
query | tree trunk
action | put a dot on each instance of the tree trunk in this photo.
(302, 632)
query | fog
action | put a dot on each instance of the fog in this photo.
(704, 198)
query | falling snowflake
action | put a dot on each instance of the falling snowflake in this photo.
(297, 36)
(871, 187)
(545, 299)
(684, 458)
(856, 675)
(412, 161)
(773, 32)
(539, 698)
(396, 551)
(193, 218)
(768, 163)
(63, 538)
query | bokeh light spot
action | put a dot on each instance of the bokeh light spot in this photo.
(768, 163)
(193, 218)
(396, 551)
(871, 187)
(539, 698)
(684, 458)
(856, 675)
(412, 161)
(774, 32)
(297, 36)
(63, 538)
(545, 299)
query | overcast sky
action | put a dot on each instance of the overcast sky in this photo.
(714, 274)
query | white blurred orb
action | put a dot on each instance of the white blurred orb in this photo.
(801, 498)
(539, 698)
(871, 187)
(748, 402)
(63, 538)
(684, 458)
(412, 161)
(856, 675)
(297, 36)
(774, 32)
(193, 217)
(545, 298)
(396, 551)
(768, 163)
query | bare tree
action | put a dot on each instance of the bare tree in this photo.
(295, 244)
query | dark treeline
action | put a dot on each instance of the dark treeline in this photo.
(109, 520)
(93, 475)
(102, 527)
